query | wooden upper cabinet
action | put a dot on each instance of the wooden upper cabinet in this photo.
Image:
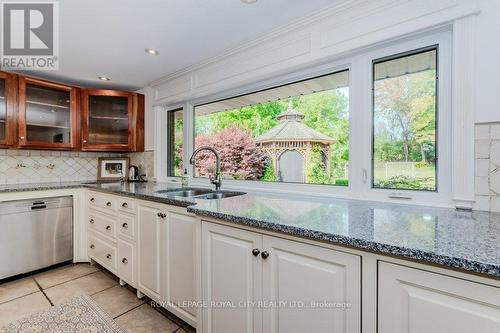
(112, 120)
(8, 104)
(48, 115)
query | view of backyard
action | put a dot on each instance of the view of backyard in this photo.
(405, 123)
(305, 138)
(307, 119)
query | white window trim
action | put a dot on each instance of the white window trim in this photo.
(360, 117)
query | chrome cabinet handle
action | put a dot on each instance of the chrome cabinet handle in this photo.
(84, 141)
(108, 256)
(265, 255)
(91, 221)
(108, 227)
(92, 199)
(92, 246)
(124, 205)
(125, 225)
(22, 138)
(162, 215)
(125, 261)
(108, 204)
(255, 252)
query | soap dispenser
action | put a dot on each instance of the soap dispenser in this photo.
(185, 178)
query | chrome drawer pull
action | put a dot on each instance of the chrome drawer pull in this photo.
(108, 256)
(108, 227)
(125, 261)
(108, 204)
(124, 205)
(91, 221)
(92, 246)
(125, 225)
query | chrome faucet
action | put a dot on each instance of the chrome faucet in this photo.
(217, 179)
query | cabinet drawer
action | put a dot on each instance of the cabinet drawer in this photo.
(126, 205)
(126, 261)
(103, 224)
(102, 252)
(126, 226)
(102, 202)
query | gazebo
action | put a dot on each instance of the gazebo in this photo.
(290, 143)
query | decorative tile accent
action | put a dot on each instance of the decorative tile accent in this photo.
(487, 161)
(42, 166)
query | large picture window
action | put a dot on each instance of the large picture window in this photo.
(405, 121)
(295, 133)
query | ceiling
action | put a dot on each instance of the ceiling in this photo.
(108, 38)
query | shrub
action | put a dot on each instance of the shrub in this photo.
(405, 182)
(342, 182)
(240, 157)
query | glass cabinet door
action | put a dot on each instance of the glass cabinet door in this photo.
(46, 115)
(8, 88)
(108, 120)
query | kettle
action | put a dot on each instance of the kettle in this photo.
(133, 173)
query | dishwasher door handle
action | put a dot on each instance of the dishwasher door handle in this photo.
(38, 207)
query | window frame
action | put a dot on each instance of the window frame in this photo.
(171, 140)
(270, 88)
(360, 66)
(436, 101)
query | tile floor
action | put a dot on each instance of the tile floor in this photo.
(38, 292)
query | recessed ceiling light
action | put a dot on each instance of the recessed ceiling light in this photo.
(152, 51)
(248, 2)
(103, 78)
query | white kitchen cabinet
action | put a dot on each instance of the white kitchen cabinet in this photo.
(312, 283)
(416, 301)
(285, 276)
(126, 262)
(149, 220)
(180, 246)
(231, 275)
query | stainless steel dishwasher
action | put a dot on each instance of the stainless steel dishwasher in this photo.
(35, 234)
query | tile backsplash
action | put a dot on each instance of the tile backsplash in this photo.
(145, 161)
(487, 164)
(41, 166)
(34, 166)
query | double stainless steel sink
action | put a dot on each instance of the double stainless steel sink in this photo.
(200, 193)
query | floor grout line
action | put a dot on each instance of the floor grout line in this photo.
(135, 307)
(100, 291)
(18, 297)
(43, 292)
(58, 284)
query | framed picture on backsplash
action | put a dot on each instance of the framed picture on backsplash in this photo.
(112, 168)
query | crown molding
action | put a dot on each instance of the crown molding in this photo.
(328, 12)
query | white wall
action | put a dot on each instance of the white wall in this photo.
(488, 58)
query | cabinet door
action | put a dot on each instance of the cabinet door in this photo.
(112, 120)
(310, 284)
(180, 246)
(47, 115)
(149, 232)
(231, 276)
(416, 301)
(8, 100)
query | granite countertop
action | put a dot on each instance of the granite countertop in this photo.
(468, 241)
(464, 240)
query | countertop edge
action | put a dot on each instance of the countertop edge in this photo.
(462, 264)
